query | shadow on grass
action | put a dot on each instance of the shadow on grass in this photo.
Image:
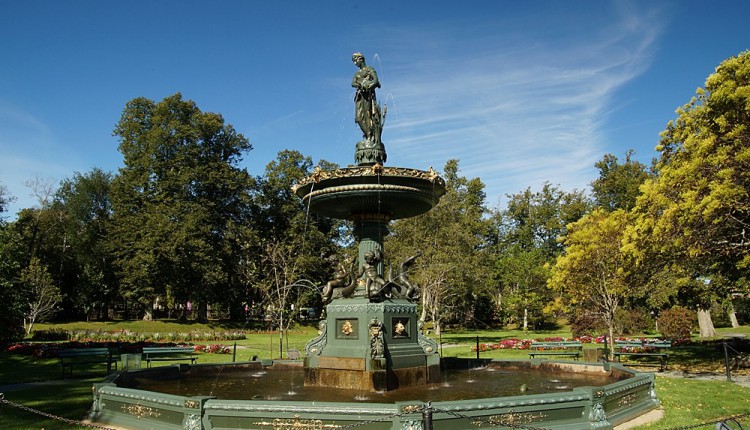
(70, 399)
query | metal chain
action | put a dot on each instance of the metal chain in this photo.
(5, 401)
(474, 420)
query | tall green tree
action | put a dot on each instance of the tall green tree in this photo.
(86, 199)
(525, 240)
(452, 240)
(523, 275)
(696, 212)
(177, 203)
(535, 220)
(11, 262)
(617, 186)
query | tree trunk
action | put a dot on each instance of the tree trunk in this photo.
(202, 312)
(706, 324)
(525, 319)
(733, 316)
(28, 324)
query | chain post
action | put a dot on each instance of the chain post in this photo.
(726, 361)
(427, 416)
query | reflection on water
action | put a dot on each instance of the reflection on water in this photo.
(287, 384)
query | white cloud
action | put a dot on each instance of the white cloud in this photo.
(516, 116)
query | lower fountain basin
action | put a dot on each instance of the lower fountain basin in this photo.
(579, 396)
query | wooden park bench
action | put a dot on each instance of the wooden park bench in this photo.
(172, 353)
(566, 348)
(643, 348)
(86, 357)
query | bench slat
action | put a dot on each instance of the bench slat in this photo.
(70, 357)
(175, 353)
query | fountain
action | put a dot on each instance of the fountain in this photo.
(370, 366)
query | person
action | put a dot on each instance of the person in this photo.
(366, 108)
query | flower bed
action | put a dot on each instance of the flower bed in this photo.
(213, 349)
(526, 343)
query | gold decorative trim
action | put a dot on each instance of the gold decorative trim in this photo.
(192, 404)
(347, 328)
(296, 424)
(410, 409)
(320, 175)
(627, 400)
(139, 411)
(511, 419)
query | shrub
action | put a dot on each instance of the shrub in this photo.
(52, 334)
(633, 321)
(676, 323)
(586, 324)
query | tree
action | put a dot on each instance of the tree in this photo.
(696, 212)
(523, 275)
(592, 271)
(11, 297)
(617, 186)
(85, 198)
(525, 240)
(43, 295)
(288, 240)
(177, 203)
(451, 239)
(538, 219)
(5, 199)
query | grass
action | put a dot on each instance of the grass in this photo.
(689, 402)
(70, 400)
(686, 401)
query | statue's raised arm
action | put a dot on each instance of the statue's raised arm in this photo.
(367, 113)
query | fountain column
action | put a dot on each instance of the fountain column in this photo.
(369, 231)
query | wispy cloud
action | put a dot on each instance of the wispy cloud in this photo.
(29, 150)
(515, 115)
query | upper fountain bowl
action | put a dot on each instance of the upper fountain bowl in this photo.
(390, 192)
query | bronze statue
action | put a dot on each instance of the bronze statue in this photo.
(343, 283)
(401, 279)
(367, 114)
(374, 283)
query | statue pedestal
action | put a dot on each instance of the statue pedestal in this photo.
(372, 347)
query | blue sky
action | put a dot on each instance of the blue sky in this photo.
(520, 92)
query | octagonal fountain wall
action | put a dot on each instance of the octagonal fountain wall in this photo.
(623, 395)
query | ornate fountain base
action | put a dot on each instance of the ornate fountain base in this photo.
(372, 347)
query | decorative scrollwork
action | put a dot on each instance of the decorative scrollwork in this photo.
(139, 411)
(353, 172)
(296, 423)
(315, 346)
